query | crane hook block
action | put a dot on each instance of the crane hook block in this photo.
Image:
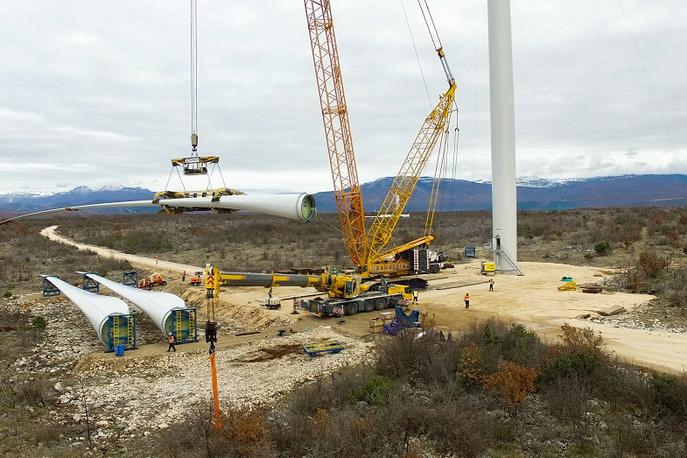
(194, 140)
(210, 332)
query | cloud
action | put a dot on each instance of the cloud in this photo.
(97, 93)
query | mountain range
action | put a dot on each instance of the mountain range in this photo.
(455, 195)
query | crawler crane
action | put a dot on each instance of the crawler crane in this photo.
(347, 294)
(369, 249)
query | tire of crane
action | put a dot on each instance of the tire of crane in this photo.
(351, 308)
(380, 303)
(369, 305)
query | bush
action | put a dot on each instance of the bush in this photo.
(513, 382)
(581, 339)
(651, 265)
(496, 342)
(566, 397)
(469, 368)
(375, 392)
(39, 324)
(7, 294)
(603, 248)
(427, 359)
(580, 355)
(34, 392)
(570, 364)
(670, 393)
(249, 433)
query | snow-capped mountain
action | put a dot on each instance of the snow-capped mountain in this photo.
(533, 194)
(80, 195)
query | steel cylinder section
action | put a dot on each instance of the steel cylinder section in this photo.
(268, 279)
(158, 306)
(293, 206)
(100, 311)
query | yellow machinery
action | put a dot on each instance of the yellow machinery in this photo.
(488, 268)
(345, 294)
(568, 286)
(194, 165)
(369, 249)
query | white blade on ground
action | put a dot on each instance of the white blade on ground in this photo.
(95, 307)
(157, 305)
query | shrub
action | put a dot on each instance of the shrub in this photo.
(513, 382)
(427, 359)
(580, 355)
(650, 264)
(670, 393)
(249, 432)
(375, 392)
(7, 294)
(496, 342)
(469, 371)
(570, 364)
(9, 396)
(39, 324)
(566, 397)
(603, 248)
(34, 393)
(582, 339)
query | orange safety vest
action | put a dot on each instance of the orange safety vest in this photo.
(170, 339)
(467, 297)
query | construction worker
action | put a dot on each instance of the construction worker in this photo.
(416, 294)
(171, 339)
(466, 298)
(491, 284)
(183, 277)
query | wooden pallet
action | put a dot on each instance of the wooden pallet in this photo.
(322, 346)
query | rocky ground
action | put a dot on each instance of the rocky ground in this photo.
(117, 401)
(651, 316)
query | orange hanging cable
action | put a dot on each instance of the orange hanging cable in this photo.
(215, 391)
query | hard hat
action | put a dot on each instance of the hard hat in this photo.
(170, 333)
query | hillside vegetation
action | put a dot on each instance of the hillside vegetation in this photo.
(496, 391)
(604, 237)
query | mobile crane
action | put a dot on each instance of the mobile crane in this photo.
(345, 294)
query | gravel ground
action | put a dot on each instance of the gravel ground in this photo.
(142, 394)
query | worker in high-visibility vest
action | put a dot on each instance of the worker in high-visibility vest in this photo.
(171, 339)
(416, 294)
(466, 298)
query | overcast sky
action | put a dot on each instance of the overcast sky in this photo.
(97, 92)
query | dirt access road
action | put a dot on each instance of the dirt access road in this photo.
(142, 261)
(532, 300)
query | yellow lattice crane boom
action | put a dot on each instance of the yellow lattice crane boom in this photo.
(349, 199)
(369, 250)
(404, 183)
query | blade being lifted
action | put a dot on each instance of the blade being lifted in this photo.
(300, 207)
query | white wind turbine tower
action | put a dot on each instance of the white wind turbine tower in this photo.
(503, 187)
